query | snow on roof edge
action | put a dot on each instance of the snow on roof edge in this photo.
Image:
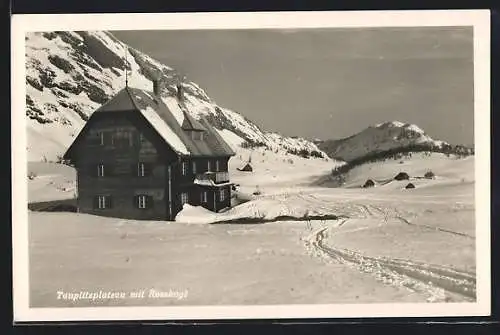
(164, 130)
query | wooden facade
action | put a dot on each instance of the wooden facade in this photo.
(126, 169)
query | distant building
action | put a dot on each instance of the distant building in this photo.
(402, 176)
(246, 167)
(369, 183)
(140, 156)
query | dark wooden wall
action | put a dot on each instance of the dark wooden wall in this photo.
(120, 160)
(184, 183)
(120, 156)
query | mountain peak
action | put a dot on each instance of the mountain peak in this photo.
(399, 124)
(390, 124)
(70, 74)
(381, 137)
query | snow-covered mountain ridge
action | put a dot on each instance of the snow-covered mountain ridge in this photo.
(387, 137)
(70, 74)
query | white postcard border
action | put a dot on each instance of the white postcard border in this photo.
(479, 19)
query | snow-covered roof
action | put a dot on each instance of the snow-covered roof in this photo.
(190, 123)
(173, 106)
(168, 123)
(165, 132)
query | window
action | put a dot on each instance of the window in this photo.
(100, 170)
(216, 165)
(122, 139)
(204, 197)
(194, 167)
(96, 138)
(140, 170)
(184, 198)
(209, 166)
(142, 201)
(103, 202)
(184, 168)
(197, 135)
(222, 194)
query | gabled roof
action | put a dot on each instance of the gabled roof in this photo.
(174, 129)
(122, 101)
(190, 123)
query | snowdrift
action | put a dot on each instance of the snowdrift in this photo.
(265, 209)
(50, 181)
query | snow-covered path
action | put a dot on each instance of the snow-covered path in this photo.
(437, 283)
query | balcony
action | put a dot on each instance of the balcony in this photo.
(213, 177)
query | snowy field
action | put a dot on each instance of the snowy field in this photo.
(382, 244)
(50, 181)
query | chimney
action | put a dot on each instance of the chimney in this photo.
(157, 87)
(180, 93)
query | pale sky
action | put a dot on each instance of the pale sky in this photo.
(329, 83)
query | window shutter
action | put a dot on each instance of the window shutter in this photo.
(149, 201)
(147, 169)
(107, 137)
(93, 170)
(131, 138)
(109, 201)
(136, 201)
(109, 169)
(96, 202)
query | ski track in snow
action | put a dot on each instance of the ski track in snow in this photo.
(374, 212)
(438, 283)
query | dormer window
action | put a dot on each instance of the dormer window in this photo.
(197, 135)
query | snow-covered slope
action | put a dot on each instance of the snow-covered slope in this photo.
(446, 170)
(383, 137)
(70, 74)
